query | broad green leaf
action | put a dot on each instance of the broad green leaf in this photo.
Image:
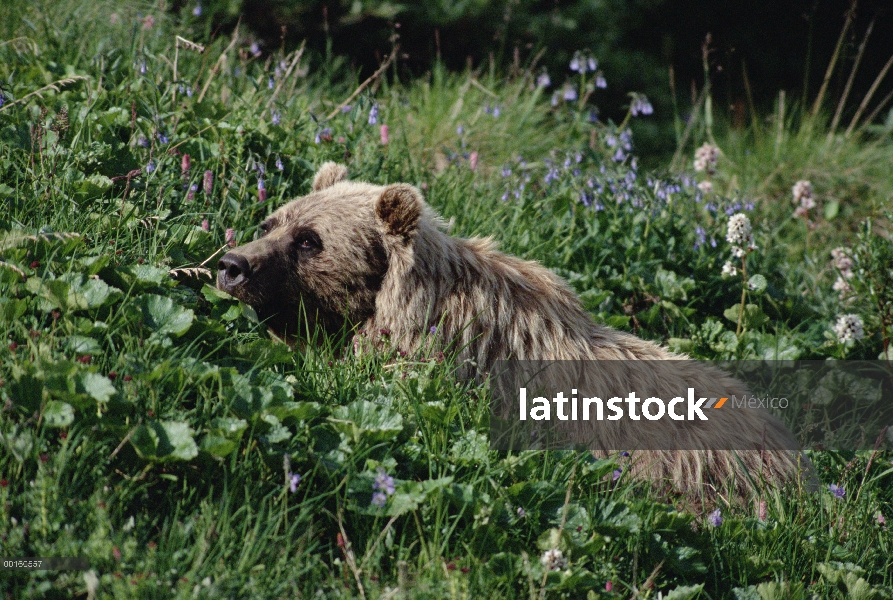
(757, 284)
(58, 414)
(161, 441)
(98, 386)
(163, 315)
(367, 420)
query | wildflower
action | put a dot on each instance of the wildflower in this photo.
(293, 480)
(616, 475)
(324, 136)
(849, 328)
(460, 130)
(715, 518)
(254, 48)
(881, 520)
(609, 586)
(706, 187)
(706, 158)
(554, 101)
(230, 237)
(842, 287)
(192, 190)
(591, 63)
(473, 161)
(570, 93)
(208, 183)
(197, 10)
(801, 212)
(162, 138)
(379, 499)
(803, 194)
(185, 165)
(383, 485)
(142, 141)
(373, 114)
(279, 164)
(148, 22)
(189, 91)
(729, 270)
(150, 167)
(2, 99)
(261, 190)
(640, 106)
(384, 135)
(576, 65)
(543, 80)
(277, 117)
(270, 83)
(521, 512)
(143, 68)
(624, 454)
(739, 230)
(206, 226)
(842, 261)
(837, 490)
(600, 81)
(553, 560)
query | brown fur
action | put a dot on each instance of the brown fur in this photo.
(373, 257)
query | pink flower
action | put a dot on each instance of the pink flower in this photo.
(148, 22)
(208, 183)
(185, 164)
(230, 238)
(763, 511)
(384, 135)
(205, 225)
(473, 161)
(609, 586)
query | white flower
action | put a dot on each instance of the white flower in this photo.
(842, 286)
(739, 230)
(553, 560)
(729, 270)
(849, 328)
(738, 252)
(706, 157)
(842, 261)
(706, 187)
(803, 194)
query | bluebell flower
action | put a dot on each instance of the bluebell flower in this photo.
(162, 138)
(624, 454)
(617, 473)
(610, 140)
(585, 199)
(197, 10)
(277, 117)
(619, 156)
(600, 81)
(570, 93)
(701, 236)
(293, 480)
(383, 482)
(496, 111)
(279, 164)
(373, 114)
(591, 64)
(254, 48)
(641, 106)
(150, 167)
(543, 80)
(575, 64)
(554, 101)
(593, 116)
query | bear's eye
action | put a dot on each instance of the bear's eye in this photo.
(265, 228)
(307, 240)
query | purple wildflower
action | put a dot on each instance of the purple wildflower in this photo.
(162, 138)
(837, 490)
(279, 164)
(379, 499)
(197, 10)
(617, 474)
(383, 482)
(715, 518)
(460, 130)
(142, 141)
(373, 115)
(641, 106)
(432, 330)
(254, 48)
(600, 81)
(208, 183)
(270, 83)
(277, 117)
(346, 108)
(543, 80)
(150, 167)
(570, 93)
(293, 480)
(325, 134)
(192, 190)
(591, 64)
(624, 454)
(576, 65)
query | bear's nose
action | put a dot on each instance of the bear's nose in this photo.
(232, 270)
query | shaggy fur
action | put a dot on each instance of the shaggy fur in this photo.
(358, 255)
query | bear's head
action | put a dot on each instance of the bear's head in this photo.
(322, 259)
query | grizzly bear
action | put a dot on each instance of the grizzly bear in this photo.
(357, 256)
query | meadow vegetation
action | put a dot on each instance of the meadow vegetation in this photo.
(151, 424)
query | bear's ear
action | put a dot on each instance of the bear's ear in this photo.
(328, 175)
(399, 208)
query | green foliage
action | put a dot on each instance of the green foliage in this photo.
(152, 425)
